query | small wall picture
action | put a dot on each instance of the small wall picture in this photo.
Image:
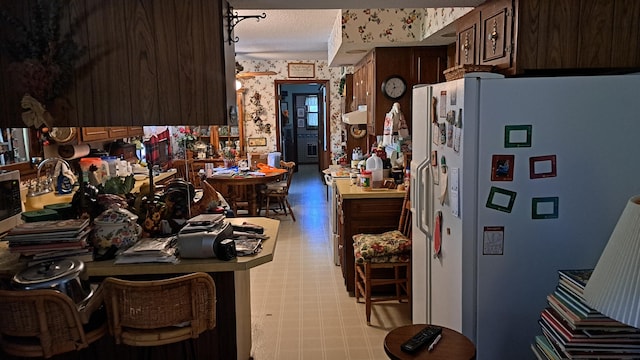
(300, 116)
(261, 141)
(502, 167)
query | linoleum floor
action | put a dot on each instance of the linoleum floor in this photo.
(299, 303)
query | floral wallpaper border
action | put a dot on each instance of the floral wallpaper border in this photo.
(380, 26)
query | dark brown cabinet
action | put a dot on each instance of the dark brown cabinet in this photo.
(521, 37)
(495, 31)
(148, 62)
(416, 65)
(466, 39)
(363, 215)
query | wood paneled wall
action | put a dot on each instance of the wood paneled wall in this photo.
(577, 34)
(149, 62)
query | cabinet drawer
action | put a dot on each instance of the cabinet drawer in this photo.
(94, 133)
(118, 132)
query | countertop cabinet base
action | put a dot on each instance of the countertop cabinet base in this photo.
(369, 216)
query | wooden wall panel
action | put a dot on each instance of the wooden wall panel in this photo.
(149, 62)
(625, 42)
(82, 93)
(199, 61)
(184, 37)
(167, 65)
(596, 34)
(557, 41)
(10, 109)
(526, 30)
(142, 60)
(110, 72)
(215, 71)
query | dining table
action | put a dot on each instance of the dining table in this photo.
(238, 186)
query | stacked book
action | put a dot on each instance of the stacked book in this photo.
(51, 240)
(573, 330)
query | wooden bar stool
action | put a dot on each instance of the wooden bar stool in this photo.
(160, 312)
(44, 323)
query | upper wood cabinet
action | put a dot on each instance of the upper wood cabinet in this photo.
(416, 65)
(104, 133)
(521, 37)
(148, 62)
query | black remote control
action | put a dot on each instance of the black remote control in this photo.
(422, 338)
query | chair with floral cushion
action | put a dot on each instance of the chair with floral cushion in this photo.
(384, 260)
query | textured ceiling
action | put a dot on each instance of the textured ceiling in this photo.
(299, 30)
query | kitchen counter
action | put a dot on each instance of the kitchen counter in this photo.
(232, 336)
(38, 202)
(348, 191)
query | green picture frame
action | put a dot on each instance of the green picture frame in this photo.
(545, 207)
(501, 199)
(517, 136)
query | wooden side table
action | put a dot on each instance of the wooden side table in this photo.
(452, 346)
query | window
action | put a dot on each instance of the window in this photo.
(311, 103)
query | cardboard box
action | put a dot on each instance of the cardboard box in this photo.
(254, 158)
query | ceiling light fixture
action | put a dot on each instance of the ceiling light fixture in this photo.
(233, 19)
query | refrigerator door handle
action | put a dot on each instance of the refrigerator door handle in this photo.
(418, 190)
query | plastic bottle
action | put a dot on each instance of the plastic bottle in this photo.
(374, 164)
(365, 180)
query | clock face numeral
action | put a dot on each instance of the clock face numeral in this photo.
(394, 87)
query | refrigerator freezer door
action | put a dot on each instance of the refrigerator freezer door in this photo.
(420, 191)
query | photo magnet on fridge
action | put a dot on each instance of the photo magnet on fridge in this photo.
(517, 136)
(542, 167)
(443, 104)
(501, 199)
(544, 207)
(502, 167)
(451, 119)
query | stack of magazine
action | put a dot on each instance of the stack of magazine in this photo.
(150, 250)
(573, 330)
(51, 240)
(248, 238)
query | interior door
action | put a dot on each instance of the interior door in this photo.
(324, 132)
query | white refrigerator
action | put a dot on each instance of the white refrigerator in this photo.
(538, 170)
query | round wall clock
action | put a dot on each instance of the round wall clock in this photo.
(394, 87)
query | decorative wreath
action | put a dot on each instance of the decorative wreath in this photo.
(356, 132)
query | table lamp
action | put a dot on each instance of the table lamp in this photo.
(614, 287)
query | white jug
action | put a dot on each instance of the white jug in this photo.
(374, 164)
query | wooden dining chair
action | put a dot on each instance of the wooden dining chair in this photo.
(189, 171)
(384, 260)
(160, 312)
(44, 323)
(278, 191)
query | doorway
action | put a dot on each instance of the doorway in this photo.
(302, 126)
